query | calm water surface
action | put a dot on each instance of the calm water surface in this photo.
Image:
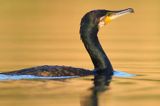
(34, 33)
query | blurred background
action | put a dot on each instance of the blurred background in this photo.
(39, 32)
(46, 32)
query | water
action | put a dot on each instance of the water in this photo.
(34, 33)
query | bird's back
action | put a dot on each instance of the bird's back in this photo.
(48, 71)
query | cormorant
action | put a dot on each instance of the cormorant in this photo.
(89, 27)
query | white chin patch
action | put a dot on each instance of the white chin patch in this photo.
(101, 24)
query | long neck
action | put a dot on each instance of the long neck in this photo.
(94, 48)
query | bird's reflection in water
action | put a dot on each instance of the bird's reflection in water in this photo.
(100, 86)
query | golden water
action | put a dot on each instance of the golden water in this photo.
(37, 32)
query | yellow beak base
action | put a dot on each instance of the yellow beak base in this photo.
(107, 19)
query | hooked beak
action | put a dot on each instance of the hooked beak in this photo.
(115, 14)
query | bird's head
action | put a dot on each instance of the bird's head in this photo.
(99, 18)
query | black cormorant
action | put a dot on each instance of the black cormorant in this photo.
(89, 27)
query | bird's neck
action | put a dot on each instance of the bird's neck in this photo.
(94, 48)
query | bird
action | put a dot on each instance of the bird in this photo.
(90, 24)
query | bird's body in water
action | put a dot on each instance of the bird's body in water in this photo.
(49, 71)
(90, 25)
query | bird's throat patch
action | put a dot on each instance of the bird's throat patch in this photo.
(107, 19)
